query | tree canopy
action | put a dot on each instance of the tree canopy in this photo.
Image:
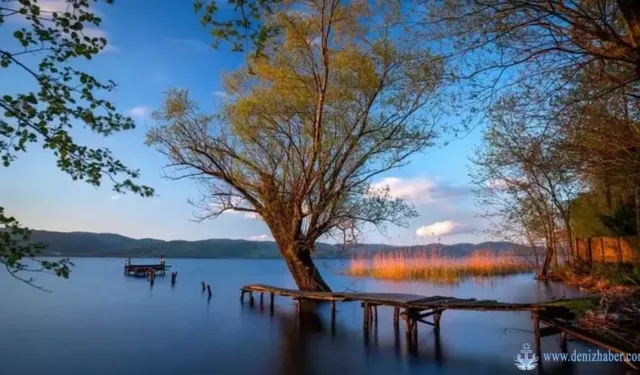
(334, 99)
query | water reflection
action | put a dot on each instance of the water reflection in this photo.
(303, 347)
(102, 324)
(308, 343)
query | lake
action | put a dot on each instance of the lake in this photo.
(100, 322)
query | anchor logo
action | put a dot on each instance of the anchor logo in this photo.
(527, 362)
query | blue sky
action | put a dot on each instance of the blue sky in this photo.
(155, 48)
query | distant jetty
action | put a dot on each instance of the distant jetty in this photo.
(142, 270)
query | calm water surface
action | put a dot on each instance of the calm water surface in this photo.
(101, 322)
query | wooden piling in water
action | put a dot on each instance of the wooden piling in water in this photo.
(417, 308)
(563, 341)
(396, 316)
(261, 299)
(209, 290)
(204, 287)
(436, 320)
(366, 312)
(536, 334)
(333, 315)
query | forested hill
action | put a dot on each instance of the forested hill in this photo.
(83, 244)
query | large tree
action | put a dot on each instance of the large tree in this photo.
(334, 98)
(39, 45)
(526, 177)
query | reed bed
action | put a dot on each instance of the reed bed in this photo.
(436, 267)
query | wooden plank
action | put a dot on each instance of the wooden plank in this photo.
(589, 337)
(410, 300)
(429, 299)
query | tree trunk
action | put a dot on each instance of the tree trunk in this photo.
(304, 271)
(548, 257)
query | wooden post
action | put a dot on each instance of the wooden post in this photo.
(209, 290)
(405, 317)
(333, 311)
(375, 310)
(261, 299)
(251, 297)
(563, 341)
(589, 252)
(436, 320)
(298, 307)
(204, 288)
(333, 316)
(414, 332)
(271, 298)
(366, 313)
(536, 334)
(241, 293)
(396, 316)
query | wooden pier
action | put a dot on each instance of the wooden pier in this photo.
(414, 309)
(143, 269)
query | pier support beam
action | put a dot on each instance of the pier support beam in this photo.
(375, 311)
(261, 299)
(333, 316)
(367, 313)
(271, 304)
(536, 334)
(563, 341)
(396, 317)
(436, 320)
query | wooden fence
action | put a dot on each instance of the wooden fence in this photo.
(608, 249)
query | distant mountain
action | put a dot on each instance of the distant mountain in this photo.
(83, 244)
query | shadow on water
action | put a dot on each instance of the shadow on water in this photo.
(310, 344)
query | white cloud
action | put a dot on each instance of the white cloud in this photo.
(441, 228)
(49, 6)
(420, 190)
(139, 112)
(115, 196)
(220, 94)
(436, 229)
(248, 215)
(262, 237)
(415, 189)
(93, 32)
(497, 184)
(54, 5)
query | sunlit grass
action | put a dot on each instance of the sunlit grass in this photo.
(403, 265)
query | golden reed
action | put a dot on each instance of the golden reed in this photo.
(435, 267)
